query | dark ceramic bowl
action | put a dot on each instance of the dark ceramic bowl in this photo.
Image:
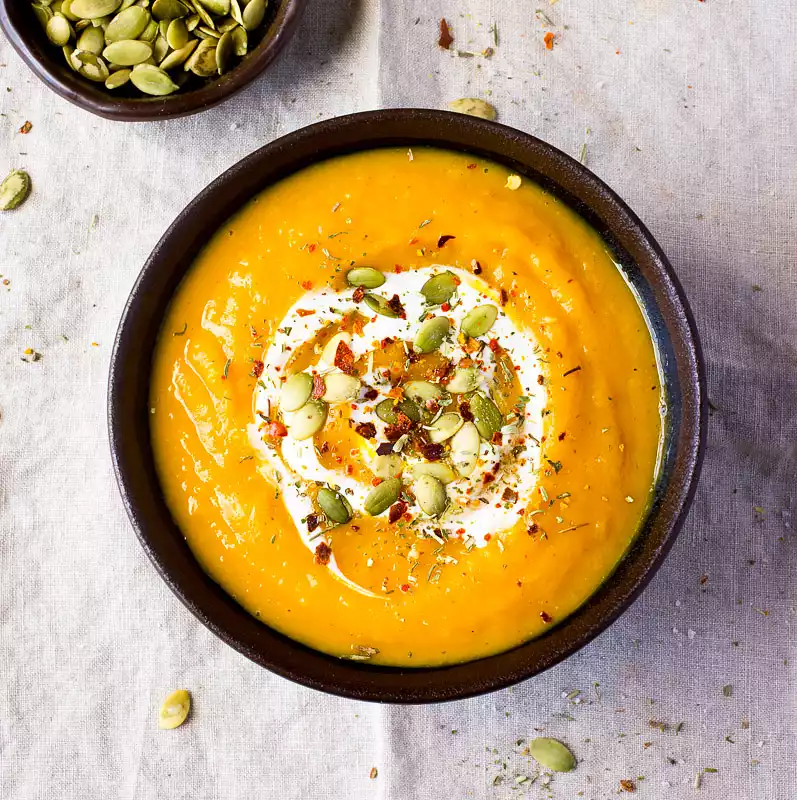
(47, 61)
(642, 261)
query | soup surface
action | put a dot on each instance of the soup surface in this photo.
(405, 408)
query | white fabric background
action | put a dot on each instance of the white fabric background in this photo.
(693, 123)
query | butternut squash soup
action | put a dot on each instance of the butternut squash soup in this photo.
(406, 409)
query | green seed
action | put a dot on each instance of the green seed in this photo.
(203, 60)
(335, 506)
(92, 67)
(14, 189)
(340, 388)
(432, 334)
(387, 410)
(375, 302)
(177, 34)
(177, 57)
(296, 391)
(479, 320)
(218, 7)
(128, 52)
(439, 289)
(152, 80)
(474, 107)
(437, 469)
(465, 379)
(58, 30)
(444, 427)
(150, 32)
(421, 392)
(431, 495)
(388, 466)
(174, 710)
(235, 12)
(465, 448)
(240, 41)
(118, 78)
(367, 277)
(127, 24)
(224, 52)
(486, 416)
(168, 9)
(552, 755)
(383, 496)
(160, 47)
(253, 14)
(66, 10)
(43, 14)
(93, 9)
(91, 40)
(308, 420)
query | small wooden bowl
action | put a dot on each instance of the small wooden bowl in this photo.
(642, 262)
(47, 62)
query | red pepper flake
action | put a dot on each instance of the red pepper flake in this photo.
(472, 166)
(257, 368)
(312, 521)
(445, 307)
(396, 512)
(386, 341)
(487, 537)
(533, 528)
(344, 358)
(307, 285)
(358, 295)
(304, 312)
(460, 531)
(546, 617)
(26, 127)
(397, 268)
(509, 495)
(371, 393)
(394, 304)
(311, 248)
(488, 478)
(324, 447)
(628, 786)
(431, 452)
(366, 429)
(319, 387)
(498, 438)
(504, 297)
(703, 579)
(322, 554)
(477, 267)
(446, 39)
(445, 238)
(405, 587)
(494, 346)
(465, 412)
(276, 430)
(384, 449)
(548, 39)
(541, 380)
(562, 435)
(376, 481)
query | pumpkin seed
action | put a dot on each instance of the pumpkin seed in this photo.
(235, 12)
(432, 334)
(174, 710)
(14, 189)
(430, 494)
(296, 391)
(58, 30)
(168, 9)
(203, 60)
(421, 392)
(331, 347)
(152, 80)
(479, 320)
(376, 302)
(177, 57)
(93, 9)
(474, 107)
(69, 55)
(177, 34)
(224, 52)
(128, 52)
(437, 469)
(308, 420)
(219, 7)
(340, 388)
(388, 466)
(66, 10)
(91, 40)
(240, 41)
(210, 33)
(150, 32)
(43, 13)
(383, 496)
(92, 67)
(192, 21)
(253, 14)
(160, 47)
(367, 277)
(335, 506)
(203, 15)
(552, 754)
(118, 78)
(445, 427)
(465, 446)
(127, 24)
(388, 410)
(465, 379)
(440, 288)
(486, 416)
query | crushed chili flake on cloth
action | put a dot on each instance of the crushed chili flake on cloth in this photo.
(446, 39)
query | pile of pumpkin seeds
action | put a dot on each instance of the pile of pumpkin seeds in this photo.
(153, 44)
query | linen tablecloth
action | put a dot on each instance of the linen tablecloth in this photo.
(686, 108)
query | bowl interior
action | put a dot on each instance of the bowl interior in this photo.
(48, 63)
(637, 254)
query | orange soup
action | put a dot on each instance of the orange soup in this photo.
(405, 408)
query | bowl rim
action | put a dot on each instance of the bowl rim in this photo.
(44, 63)
(162, 272)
